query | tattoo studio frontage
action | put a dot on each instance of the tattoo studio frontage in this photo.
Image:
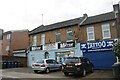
(100, 53)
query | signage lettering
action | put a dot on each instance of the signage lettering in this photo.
(19, 51)
(67, 45)
(96, 45)
(33, 48)
(106, 44)
(50, 46)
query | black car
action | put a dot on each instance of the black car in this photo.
(77, 65)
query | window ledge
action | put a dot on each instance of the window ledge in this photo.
(69, 40)
(91, 40)
(106, 37)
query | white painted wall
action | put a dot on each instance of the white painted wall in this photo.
(39, 54)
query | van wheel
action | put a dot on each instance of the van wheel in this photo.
(84, 73)
(66, 74)
(47, 70)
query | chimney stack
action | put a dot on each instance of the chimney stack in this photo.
(85, 15)
(116, 9)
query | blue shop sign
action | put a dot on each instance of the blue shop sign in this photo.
(106, 44)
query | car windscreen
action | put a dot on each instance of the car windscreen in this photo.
(40, 61)
(72, 60)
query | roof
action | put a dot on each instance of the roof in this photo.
(58, 25)
(82, 20)
(99, 18)
(9, 32)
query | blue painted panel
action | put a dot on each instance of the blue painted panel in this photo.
(105, 44)
(101, 59)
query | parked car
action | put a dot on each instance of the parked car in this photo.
(77, 65)
(45, 65)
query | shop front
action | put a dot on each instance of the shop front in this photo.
(34, 53)
(57, 51)
(67, 49)
(100, 53)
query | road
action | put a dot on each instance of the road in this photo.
(27, 73)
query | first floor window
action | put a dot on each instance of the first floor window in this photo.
(43, 39)
(69, 34)
(7, 48)
(8, 36)
(106, 31)
(90, 33)
(58, 36)
(35, 40)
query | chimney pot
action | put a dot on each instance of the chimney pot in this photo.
(85, 15)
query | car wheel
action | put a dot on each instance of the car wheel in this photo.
(66, 74)
(60, 68)
(35, 71)
(47, 70)
(84, 73)
(92, 70)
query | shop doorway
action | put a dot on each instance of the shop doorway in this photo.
(61, 56)
(46, 55)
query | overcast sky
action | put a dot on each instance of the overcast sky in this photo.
(27, 14)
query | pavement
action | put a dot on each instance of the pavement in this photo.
(28, 73)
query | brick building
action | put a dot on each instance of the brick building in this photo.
(56, 41)
(92, 37)
(15, 43)
(98, 39)
(1, 35)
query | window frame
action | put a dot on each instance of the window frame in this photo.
(35, 40)
(57, 33)
(8, 36)
(69, 30)
(88, 32)
(108, 29)
(7, 48)
(42, 39)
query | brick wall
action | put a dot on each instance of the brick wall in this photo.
(19, 40)
(22, 60)
(97, 31)
(51, 37)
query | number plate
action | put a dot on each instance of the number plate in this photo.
(69, 66)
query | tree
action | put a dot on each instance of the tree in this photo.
(116, 49)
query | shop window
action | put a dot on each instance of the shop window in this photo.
(35, 40)
(58, 36)
(90, 33)
(106, 31)
(43, 39)
(61, 56)
(69, 34)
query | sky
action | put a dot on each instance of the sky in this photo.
(27, 14)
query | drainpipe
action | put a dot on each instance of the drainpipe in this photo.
(116, 10)
(85, 16)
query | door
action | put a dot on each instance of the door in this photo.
(50, 64)
(101, 59)
(56, 65)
